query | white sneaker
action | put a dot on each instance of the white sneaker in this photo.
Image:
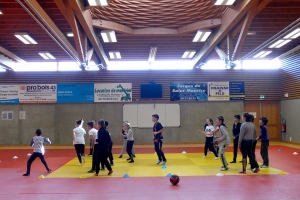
(203, 156)
(216, 158)
(224, 169)
(158, 162)
(80, 164)
(164, 162)
(210, 152)
(83, 159)
(264, 166)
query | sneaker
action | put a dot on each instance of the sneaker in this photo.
(164, 162)
(233, 161)
(242, 172)
(128, 158)
(131, 161)
(158, 162)
(134, 156)
(80, 164)
(26, 174)
(224, 169)
(111, 164)
(216, 158)
(91, 171)
(255, 170)
(203, 156)
(120, 156)
(83, 159)
(110, 172)
(49, 171)
(264, 166)
(96, 174)
(210, 152)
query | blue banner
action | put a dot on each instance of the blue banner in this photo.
(188, 92)
(237, 90)
(75, 93)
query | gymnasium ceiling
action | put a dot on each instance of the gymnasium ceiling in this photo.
(169, 25)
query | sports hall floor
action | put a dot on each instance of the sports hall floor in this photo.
(147, 180)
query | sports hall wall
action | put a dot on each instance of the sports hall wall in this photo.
(57, 120)
(290, 106)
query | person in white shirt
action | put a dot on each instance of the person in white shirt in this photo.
(93, 133)
(130, 141)
(38, 150)
(209, 138)
(78, 140)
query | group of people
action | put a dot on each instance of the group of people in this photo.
(100, 144)
(244, 139)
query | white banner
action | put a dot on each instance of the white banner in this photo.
(9, 94)
(218, 91)
(37, 93)
(112, 92)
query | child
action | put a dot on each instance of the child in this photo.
(130, 141)
(209, 138)
(245, 143)
(157, 131)
(235, 135)
(224, 141)
(124, 139)
(38, 150)
(103, 147)
(264, 137)
(93, 136)
(78, 140)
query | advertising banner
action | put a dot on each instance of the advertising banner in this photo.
(9, 94)
(112, 92)
(188, 92)
(237, 90)
(75, 93)
(218, 91)
(37, 93)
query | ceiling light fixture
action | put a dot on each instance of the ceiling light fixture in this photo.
(108, 36)
(25, 38)
(189, 54)
(46, 55)
(293, 35)
(114, 54)
(251, 33)
(279, 43)
(152, 54)
(70, 34)
(201, 35)
(224, 2)
(1, 12)
(98, 2)
(262, 54)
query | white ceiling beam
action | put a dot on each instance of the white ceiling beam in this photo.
(204, 24)
(11, 55)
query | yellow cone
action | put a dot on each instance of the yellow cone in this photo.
(41, 176)
(282, 173)
(82, 177)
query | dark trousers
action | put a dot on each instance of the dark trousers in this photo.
(79, 151)
(158, 150)
(129, 148)
(209, 144)
(246, 149)
(235, 148)
(94, 159)
(91, 147)
(33, 157)
(253, 150)
(264, 152)
(102, 155)
(110, 155)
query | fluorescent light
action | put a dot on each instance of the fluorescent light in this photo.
(1, 14)
(108, 36)
(262, 54)
(224, 2)
(201, 36)
(188, 54)
(98, 2)
(295, 36)
(114, 54)
(292, 34)
(152, 54)
(279, 43)
(46, 55)
(283, 43)
(70, 34)
(25, 38)
(276, 43)
(251, 33)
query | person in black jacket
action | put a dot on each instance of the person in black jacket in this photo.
(104, 141)
(235, 135)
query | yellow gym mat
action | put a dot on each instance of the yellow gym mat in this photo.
(189, 164)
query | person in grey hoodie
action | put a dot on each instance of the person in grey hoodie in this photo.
(246, 142)
(224, 141)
